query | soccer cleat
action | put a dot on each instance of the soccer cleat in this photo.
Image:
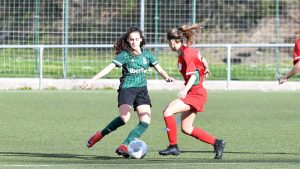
(94, 139)
(170, 150)
(122, 150)
(219, 148)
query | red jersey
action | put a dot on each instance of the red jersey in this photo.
(190, 64)
(297, 51)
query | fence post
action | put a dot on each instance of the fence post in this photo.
(65, 36)
(228, 46)
(36, 38)
(277, 37)
(156, 30)
(41, 67)
(142, 17)
(194, 11)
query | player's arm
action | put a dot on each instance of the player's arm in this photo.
(183, 92)
(295, 69)
(99, 75)
(163, 73)
(207, 72)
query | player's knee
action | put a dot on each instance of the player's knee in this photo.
(145, 117)
(186, 130)
(125, 117)
(168, 112)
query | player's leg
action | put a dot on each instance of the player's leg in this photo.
(125, 114)
(144, 115)
(142, 106)
(125, 100)
(119, 121)
(187, 120)
(174, 107)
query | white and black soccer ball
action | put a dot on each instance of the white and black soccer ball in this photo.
(137, 148)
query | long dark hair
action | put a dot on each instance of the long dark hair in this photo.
(122, 43)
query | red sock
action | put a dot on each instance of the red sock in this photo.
(203, 136)
(171, 129)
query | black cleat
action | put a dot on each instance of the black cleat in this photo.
(171, 150)
(219, 148)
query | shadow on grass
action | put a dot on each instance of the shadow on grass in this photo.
(237, 157)
(55, 158)
(59, 156)
(237, 152)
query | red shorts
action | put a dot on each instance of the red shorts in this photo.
(196, 98)
(297, 51)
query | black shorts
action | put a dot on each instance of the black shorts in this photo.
(135, 96)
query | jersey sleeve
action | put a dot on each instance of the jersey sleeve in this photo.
(120, 59)
(153, 60)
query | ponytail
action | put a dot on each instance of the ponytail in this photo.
(188, 33)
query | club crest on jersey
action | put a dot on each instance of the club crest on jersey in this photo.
(179, 66)
(144, 60)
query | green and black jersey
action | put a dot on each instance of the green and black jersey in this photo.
(134, 68)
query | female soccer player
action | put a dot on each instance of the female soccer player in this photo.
(191, 99)
(296, 68)
(132, 92)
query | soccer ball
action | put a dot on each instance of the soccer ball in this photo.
(137, 149)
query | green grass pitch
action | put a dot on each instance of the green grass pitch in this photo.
(49, 129)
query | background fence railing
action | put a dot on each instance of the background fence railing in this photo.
(84, 22)
(270, 68)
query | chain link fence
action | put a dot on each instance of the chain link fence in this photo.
(102, 22)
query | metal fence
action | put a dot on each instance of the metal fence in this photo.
(228, 47)
(102, 22)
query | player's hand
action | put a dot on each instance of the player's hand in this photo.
(281, 79)
(182, 93)
(207, 73)
(169, 79)
(86, 85)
